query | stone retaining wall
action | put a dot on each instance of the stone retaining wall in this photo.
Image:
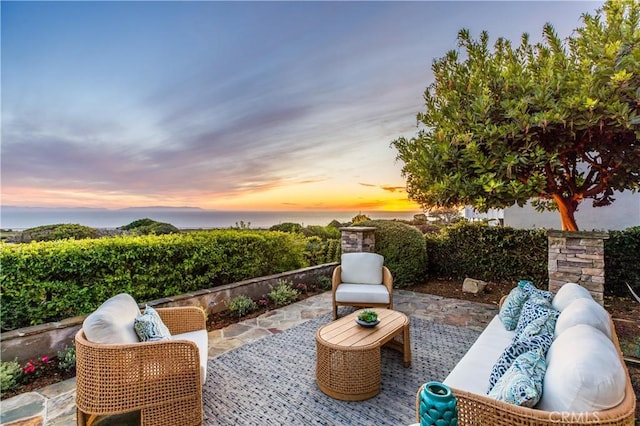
(47, 339)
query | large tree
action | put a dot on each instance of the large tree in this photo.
(556, 122)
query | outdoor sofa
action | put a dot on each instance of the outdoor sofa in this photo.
(584, 369)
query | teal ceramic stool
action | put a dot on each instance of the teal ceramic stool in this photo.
(437, 405)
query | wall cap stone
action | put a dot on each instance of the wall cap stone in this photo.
(577, 234)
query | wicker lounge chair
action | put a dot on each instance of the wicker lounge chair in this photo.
(160, 379)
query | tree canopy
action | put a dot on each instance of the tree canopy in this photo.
(557, 122)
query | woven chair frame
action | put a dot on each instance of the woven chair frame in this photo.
(162, 379)
(474, 409)
(336, 280)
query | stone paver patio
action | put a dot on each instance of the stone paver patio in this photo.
(54, 405)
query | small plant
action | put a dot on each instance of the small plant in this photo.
(282, 293)
(33, 369)
(324, 283)
(10, 375)
(368, 316)
(242, 305)
(302, 288)
(67, 358)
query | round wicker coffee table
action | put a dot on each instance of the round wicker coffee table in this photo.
(348, 355)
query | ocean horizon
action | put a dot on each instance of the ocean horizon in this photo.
(20, 218)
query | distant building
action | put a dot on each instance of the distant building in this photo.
(494, 217)
(622, 214)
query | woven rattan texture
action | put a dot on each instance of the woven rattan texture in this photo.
(476, 409)
(161, 379)
(348, 375)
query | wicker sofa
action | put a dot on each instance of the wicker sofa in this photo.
(162, 380)
(469, 380)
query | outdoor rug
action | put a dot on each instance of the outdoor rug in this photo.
(272, 381)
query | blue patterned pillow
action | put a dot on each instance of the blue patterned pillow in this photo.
(521, 384)
(149, 326)
(532, 291)
(533, 308)
(516, 349)
(510, 309)
(542, 325)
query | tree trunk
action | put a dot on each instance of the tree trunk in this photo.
(567, 209)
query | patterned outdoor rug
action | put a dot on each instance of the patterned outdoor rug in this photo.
(272, 381)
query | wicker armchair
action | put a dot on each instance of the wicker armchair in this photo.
(361, 280)
(162, 380)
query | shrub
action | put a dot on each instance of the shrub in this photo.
(56, 232)
(324, 282)
(287, 227)
(242, 305)
(488, 253)
(67, 358)
(10, 375)
(621, 261)
(404, 251)
(149, 226)
(283, 293)
(49, 281)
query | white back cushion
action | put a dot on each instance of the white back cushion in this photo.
(567, 294)
(584, 372)
(584, 311)
(113, 321)
(362, 268)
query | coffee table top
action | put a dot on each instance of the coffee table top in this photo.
(347, 335)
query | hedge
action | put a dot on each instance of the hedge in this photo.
(488, 253)
(49, 281)
(506, 254)
(404, 251)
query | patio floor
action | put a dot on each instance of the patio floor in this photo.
(54, 405)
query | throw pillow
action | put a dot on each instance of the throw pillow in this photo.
(584, 311)
(511, 307)
(521, 384)
(112, 322)
(567, 294)
(584, 372)
(533, 308)
(545, 324)
(149, 326)
(532, 291)
(514, 350)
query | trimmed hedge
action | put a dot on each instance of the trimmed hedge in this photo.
(404, 251)
(622, 261)
(50, 281)
(57, 232)
(488, 253)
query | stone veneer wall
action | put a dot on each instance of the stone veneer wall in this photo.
(357, 239)
(47, 339)
(577, 257)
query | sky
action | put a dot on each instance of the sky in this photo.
(228, 105)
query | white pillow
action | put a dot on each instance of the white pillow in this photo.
(113, 321)
(567, 294)
(584, 372)
(584, 311)
(362, 268)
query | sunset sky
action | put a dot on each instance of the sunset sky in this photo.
(228, 105)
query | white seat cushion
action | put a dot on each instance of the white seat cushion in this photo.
(472, 372)
(362, 268)
(113, 321)
(584, 372)
(567, 294)
(362, 293)
(200, 338)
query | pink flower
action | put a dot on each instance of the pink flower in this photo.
(45, 359)
(29, 367)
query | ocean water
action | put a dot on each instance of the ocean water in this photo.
(18, 218)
